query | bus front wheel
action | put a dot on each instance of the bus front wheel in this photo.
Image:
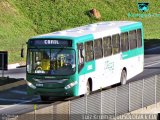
(123, 77)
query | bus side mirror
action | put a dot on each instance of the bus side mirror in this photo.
(22, 52)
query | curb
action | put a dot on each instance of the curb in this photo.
(11, 85)
(13, 66)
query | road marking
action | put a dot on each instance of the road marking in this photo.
(19, 92)
(152, 48)
(152, 63)
(11, 100)
(19, 103)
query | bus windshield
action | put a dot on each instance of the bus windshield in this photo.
(51, 61)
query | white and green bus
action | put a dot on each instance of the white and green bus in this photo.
(80, 60)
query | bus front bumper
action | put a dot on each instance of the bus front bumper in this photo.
(52, 92)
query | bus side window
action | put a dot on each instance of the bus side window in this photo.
(133, 39)
(80, 56)
(116, 43)
(89, 53)
(139, 38)
(107, 46)
(124, 42)
(98, 51)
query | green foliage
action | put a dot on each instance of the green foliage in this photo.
(15, 29)
(53, 15)
(25, 18)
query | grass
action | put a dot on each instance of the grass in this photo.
(25, 18)
(15, 29)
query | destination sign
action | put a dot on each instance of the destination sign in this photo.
(57, 43)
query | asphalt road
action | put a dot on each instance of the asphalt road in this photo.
(16, 100)
(16, 73)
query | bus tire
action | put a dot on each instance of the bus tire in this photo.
(123, 77)
(88, 88)
(44, 98)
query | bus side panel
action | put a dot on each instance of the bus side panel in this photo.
(109, 66)
(88, 71)
(98, 79)
(133, 60)
(82, 84)
(112, 70)
(106, 72)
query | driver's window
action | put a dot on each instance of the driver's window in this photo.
(80, 56)
(42, 60)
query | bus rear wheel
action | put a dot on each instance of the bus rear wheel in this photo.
(123, 77)
(44, 98)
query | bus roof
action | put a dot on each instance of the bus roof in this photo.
(89, 29)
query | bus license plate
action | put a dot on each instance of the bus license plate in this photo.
(39, 85)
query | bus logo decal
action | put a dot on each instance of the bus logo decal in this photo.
(89, 67)
(143, 6)
(39, 85)
(109, 66)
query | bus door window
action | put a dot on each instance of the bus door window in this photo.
(69, 60)
(53, 62)
(61, 60)
(80, 56)
(89, 52)
(46, 60)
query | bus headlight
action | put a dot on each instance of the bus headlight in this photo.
(71, 85)
(31, 85)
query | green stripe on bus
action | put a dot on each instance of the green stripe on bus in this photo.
(88, 67)
(131, 27)
(75, 89)
(54, 37)
(132, 53)
(84, 38)
(79, 38)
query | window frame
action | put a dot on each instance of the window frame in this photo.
(98, 49)
(126, 43)
(80, 64)
(107, 47)
(139, 39)
(91, 51)
(131, 41)
(114, 46)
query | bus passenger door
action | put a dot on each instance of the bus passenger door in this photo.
(82, 81)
